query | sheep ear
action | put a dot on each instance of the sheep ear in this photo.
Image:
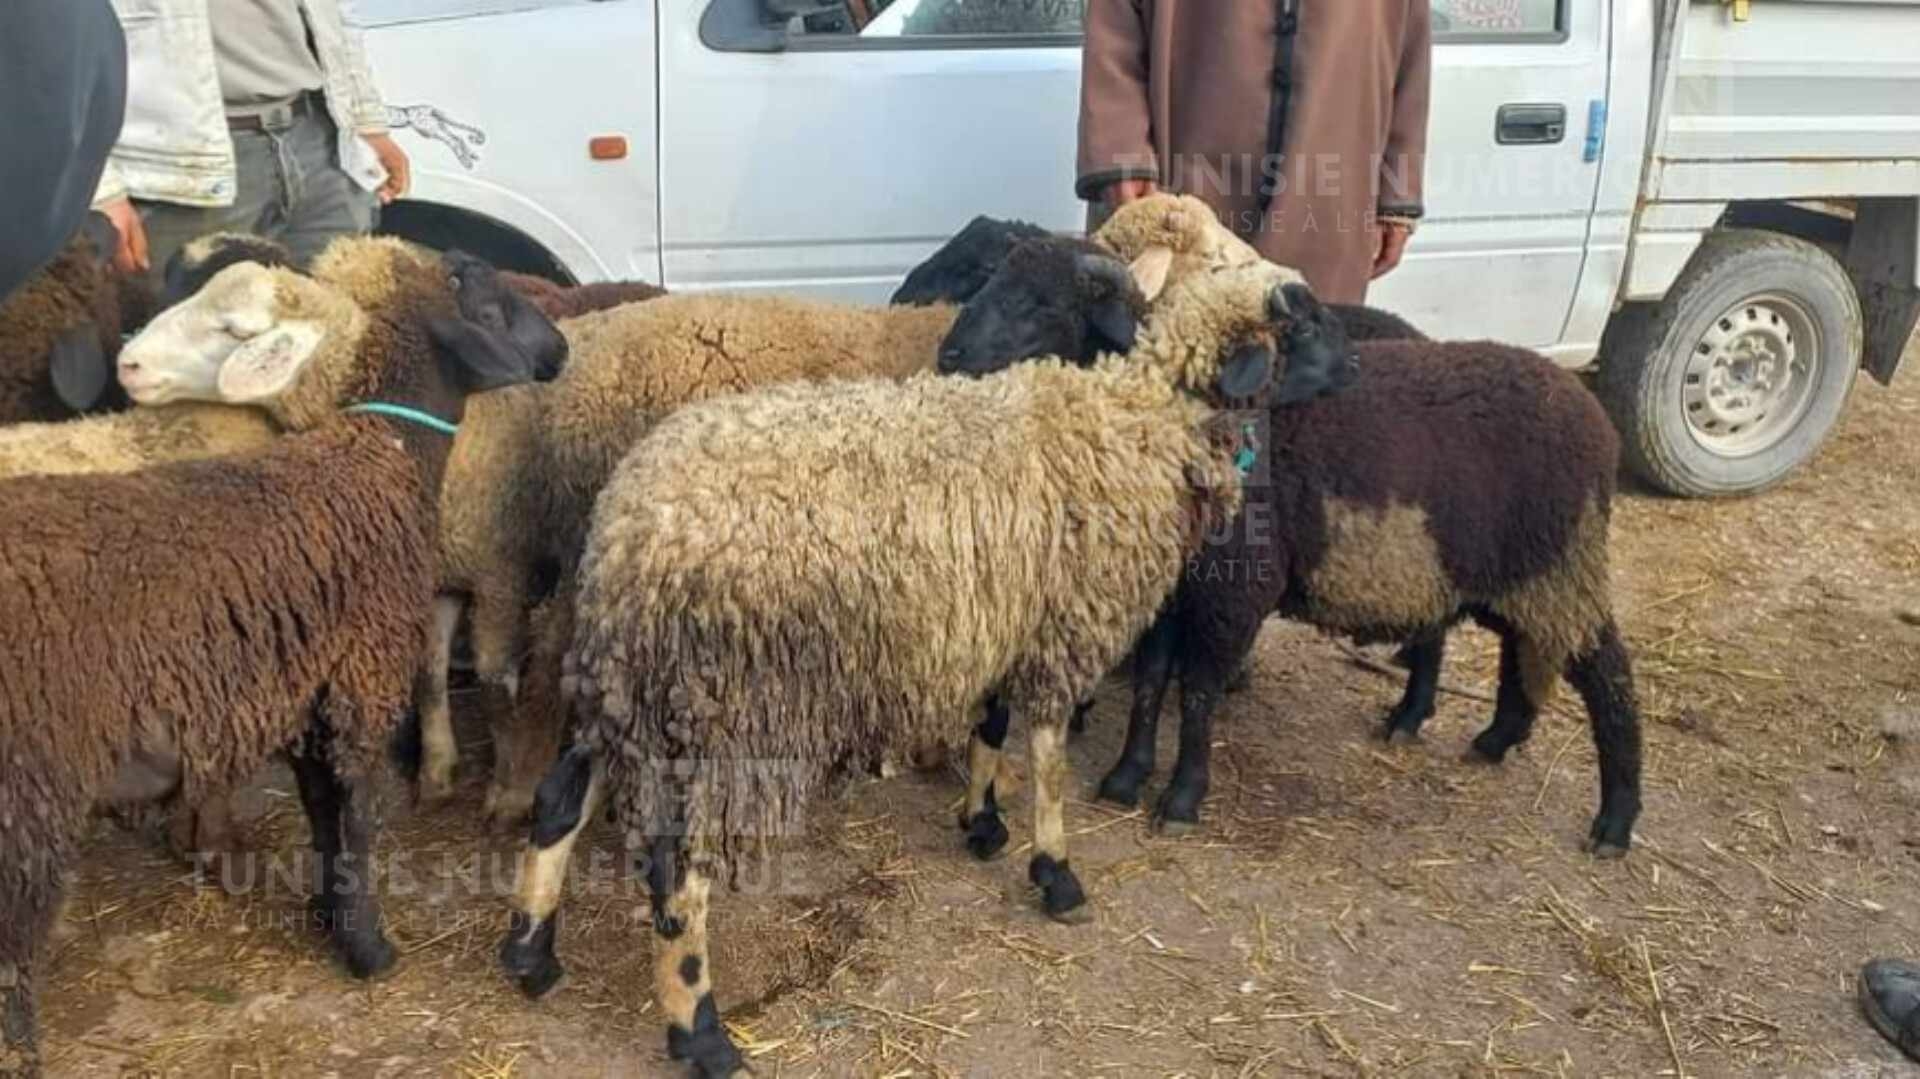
(264, 367)
(1113, 322)
(484, 360)
(1150, 271)
(1247, 371)
(534, 334)
(102, 234)
(78, 367)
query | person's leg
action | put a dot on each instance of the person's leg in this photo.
(1890, 997)
(324, 202)
(256, 205)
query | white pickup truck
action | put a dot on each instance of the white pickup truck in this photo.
(1714, 203)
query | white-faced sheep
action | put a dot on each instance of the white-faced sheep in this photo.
(784, 584)
(274, 602)
(1454, 481)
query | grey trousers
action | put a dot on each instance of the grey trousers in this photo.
(291, 189)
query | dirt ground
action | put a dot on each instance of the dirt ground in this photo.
(1346, 910)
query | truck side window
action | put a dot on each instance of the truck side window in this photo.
(878, 20)
(1470, 20)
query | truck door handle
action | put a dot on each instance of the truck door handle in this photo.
(1522, 125)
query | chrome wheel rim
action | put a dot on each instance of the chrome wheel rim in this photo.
(1750, 378)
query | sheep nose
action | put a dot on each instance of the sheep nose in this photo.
(950, 358)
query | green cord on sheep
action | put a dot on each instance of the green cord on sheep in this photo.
(783, 585)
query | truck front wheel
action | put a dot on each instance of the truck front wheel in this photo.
(1739, 375)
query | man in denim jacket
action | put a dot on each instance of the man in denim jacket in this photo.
(253, 116)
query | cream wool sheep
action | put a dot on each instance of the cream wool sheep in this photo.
(629, 367)
(784, 584)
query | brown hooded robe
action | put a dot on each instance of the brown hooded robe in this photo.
(1211, 98)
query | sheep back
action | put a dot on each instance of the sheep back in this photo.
(205, 607)
(802, 579)
(1449, 475)
(629, 367)
(130, 440)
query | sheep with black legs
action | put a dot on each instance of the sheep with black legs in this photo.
(275, 602)
(60, 332)
(630, 367)
(1455, 481)
(787, 583)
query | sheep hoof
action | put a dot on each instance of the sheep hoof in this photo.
(706, 1047)
(1490, 746)
(368, 957)
(506, 809)
(1122, 786)
(1060, 893)
(1174, 829)
(529, 959)
(1394, 734)
(1609, 837)
(986, 835)
(1178, 813)
(433, 790)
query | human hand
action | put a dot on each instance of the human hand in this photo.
(394, 160)
(1121, 192)
(1389, 244)
(131, 256)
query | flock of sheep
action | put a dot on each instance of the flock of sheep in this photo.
(714, 551)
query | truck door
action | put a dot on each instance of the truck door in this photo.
(1512, 169)
(827, 154)
(499, 103)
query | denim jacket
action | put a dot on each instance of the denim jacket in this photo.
(175, 145)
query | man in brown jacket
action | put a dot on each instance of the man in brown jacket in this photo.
(1303, 123)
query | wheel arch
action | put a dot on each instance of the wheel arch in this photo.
(441, 226)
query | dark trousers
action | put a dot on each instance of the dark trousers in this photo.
(291, 189)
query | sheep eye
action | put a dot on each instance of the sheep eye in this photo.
(453, 282)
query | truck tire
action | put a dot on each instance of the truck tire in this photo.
(1740, 374)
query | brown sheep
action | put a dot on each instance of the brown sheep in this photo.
(279, 605)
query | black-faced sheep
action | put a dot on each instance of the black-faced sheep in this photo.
(787, 583)
(1456, 481)
(963, 264)
(277, 603)
(492, 552)
(630, 367)
(60, 332)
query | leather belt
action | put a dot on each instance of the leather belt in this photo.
(278, 117)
